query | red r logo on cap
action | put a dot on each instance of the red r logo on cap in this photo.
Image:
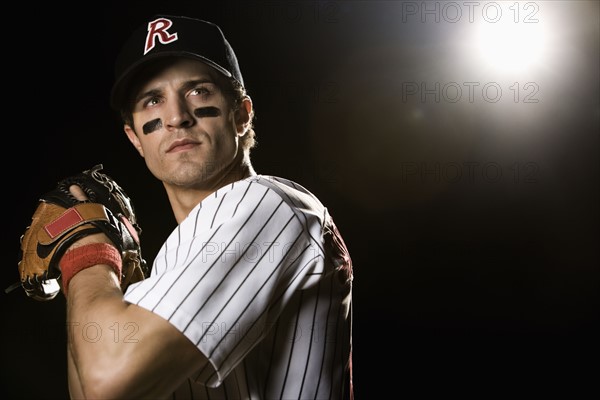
(158, 29)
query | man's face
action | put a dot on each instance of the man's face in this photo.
(185, 127)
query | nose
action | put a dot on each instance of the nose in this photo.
(178, 114)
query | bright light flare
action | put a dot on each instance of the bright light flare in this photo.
(509, 47)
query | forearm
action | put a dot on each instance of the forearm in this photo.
(95, 307)
(122, 350)
(75, 391)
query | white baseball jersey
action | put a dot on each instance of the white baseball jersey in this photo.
(258, 277)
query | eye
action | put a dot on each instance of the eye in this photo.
(151, 101)
(202, 91)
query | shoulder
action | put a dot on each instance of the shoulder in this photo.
(296, 196)
(292, 192)
(265, 189)
(257, 195)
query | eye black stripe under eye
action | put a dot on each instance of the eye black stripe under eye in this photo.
(151, 126)
(207, 112)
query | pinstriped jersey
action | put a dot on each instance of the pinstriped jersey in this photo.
(259, 278)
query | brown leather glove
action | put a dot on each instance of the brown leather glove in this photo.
(60, 219)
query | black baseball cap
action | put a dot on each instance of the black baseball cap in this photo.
(168, 36)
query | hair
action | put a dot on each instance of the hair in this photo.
(234, 91)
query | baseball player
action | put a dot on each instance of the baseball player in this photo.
(250, 295)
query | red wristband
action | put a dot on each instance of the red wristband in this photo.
(80, 258)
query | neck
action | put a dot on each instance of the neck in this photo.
(184, 199)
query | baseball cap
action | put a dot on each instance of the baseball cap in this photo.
(168, 36)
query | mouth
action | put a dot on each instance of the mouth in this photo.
(182, 145)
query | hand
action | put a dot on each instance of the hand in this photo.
(86, 208)
(80, 195)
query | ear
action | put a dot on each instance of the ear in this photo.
(133, 138)
(243, 116)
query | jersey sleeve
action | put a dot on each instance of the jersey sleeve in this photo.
(226, 272)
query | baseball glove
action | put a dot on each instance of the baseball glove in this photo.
(60, 220)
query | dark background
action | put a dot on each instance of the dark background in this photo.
(472, 223)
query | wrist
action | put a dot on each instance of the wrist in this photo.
(99, 237)
(84, 256)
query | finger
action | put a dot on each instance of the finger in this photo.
(77, 192)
